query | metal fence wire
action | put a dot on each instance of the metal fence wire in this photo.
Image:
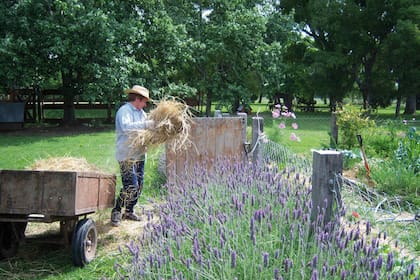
(390, 217)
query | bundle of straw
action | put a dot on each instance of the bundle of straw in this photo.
(172, 123)
(64, 164)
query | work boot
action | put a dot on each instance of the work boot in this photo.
(131, 216)
(115, 218)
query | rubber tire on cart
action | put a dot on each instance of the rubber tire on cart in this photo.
(84, 242)
(10, 235)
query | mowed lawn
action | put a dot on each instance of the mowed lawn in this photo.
(20, 149)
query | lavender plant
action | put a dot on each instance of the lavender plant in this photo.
(253, 222)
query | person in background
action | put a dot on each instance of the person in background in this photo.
(130, 117)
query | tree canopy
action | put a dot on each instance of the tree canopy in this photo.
(226, 52)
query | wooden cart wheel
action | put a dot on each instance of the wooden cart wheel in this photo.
(10, 235)
(84, 242)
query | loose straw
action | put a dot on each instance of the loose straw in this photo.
(172, 123)
(64, 164)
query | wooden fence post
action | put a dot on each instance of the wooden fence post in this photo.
(257, 129)
(325, 186)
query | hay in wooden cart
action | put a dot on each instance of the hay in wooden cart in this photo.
(64, 164)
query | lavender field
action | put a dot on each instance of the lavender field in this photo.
(253, 222)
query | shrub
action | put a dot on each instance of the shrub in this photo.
(399, 174)
(350, 123)
(381, 141)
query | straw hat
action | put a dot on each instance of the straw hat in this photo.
(138, 90)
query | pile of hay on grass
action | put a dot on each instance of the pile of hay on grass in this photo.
(64, 164)
(172, 123)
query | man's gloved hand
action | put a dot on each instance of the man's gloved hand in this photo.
(150, 124)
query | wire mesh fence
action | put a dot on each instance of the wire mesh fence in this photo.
(395, 220)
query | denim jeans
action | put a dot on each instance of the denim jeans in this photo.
(132, 177)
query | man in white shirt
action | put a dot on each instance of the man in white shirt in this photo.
(130, 117)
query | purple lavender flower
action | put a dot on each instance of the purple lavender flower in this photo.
(314, 262)
(411, 269)
(276, 273)
(265, 259)
(368, 228)
(324, 271)
(216, 253)
(314, 275)
(333, 270)
(372, 265)
(390, 261)
(188, 263)
(169, 252)
(343, 274)
(244, 197)
(288, 264)
(174, 271)
(276, 254)
(379, 262)
(253, 239)
(233, 259)
(151, 260)
(196, 245)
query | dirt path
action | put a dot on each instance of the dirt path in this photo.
(110, 238)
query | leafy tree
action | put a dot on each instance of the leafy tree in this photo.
(402, 56)
(349, 37)
(276, 62)
(164, 50)
(234, 32)
(82, 44)
(328, 71)
(224, 36)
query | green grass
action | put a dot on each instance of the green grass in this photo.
(96, 147)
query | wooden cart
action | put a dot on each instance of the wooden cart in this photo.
(51, 196)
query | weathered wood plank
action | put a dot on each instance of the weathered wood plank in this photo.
(54, 193)
(211, 138)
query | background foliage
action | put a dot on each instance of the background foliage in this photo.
(230, 52)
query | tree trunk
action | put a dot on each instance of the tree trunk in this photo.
(69, 116)
(235, 105)
(68, 91)
(410, 105)
(288, 101)
(365, 85)
(208, 103)
(260, 98)
(333, 103)
(398, 107)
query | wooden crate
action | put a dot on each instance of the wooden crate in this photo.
(55, 193)
(212, 138)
